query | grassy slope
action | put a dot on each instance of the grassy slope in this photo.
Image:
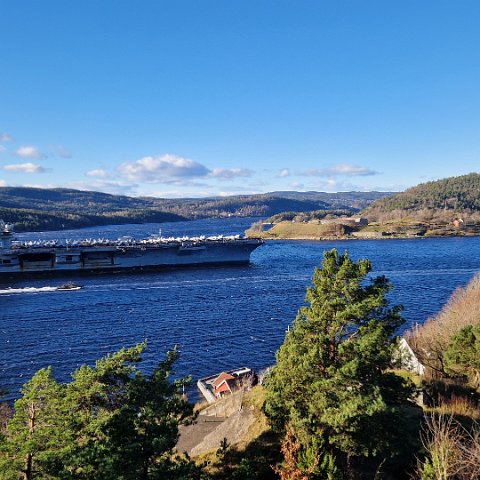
(257, 452)
(297, 231)
(429, 209)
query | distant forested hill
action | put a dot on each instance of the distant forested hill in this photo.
(52, 209)
(445, 199)
(43, 209)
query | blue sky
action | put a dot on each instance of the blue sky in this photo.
(196, 98)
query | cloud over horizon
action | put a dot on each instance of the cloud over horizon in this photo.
(230, 173)
(173, 169)
(162, 169)
(98, 173)
(61, 151)
(5, 137)
(114, 188)
(341, 169)
(24, 168)
(29, 151)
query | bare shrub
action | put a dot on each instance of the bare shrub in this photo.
(290, 470)
(453, 452)
(471, 454)
(441, 439)
(460, 406)
(430, 340)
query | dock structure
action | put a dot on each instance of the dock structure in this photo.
(209, 385)
(206, 392)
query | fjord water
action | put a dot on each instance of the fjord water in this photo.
(220, 317)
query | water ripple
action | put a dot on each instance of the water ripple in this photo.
(220, 317)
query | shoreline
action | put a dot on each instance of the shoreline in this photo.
(357, 238)
(353, 230)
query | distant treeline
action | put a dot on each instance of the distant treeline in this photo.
(445, 198)
(51, 209)
(309, 216)
(32, 220)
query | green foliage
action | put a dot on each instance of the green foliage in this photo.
(463, 354)
(110, 422)
(454, 194)
(309, 216)
(38, 431)
(330, 384)
(31, 220)
(428, 471)
(5, 414)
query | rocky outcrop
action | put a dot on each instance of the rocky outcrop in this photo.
(231, 430)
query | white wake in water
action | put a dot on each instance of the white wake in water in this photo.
(8, 291)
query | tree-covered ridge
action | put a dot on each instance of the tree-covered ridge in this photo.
(307, 216)
(31, 220)
(454, 194)
(448, 207)
(36, 208)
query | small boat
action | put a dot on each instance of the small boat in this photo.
(68, 286)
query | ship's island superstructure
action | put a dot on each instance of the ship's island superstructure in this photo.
(126, 253)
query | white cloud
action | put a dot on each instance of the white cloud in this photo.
(330, 184)
(177, 193)
(5, 137)
(61, 151)
(28, 151)
(230, 173)
(114, 188)
(200, 192)
(284, 173)
(393, 187)
(3, 183)
(162, 169)
(334, 185)
(98, 172)
(237, 190)
(2, 149)
(342, 169)
(24, 168)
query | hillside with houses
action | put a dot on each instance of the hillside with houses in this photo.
(447, 207)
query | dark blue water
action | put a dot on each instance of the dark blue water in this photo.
(220, 317)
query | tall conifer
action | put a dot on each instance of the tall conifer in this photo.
(330, 387)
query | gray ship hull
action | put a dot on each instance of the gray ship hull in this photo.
(60, 260)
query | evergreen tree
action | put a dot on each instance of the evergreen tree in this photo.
(144, 431)
(112, 422)
(462, 356)
(330, 388)
(96, 395)
(5, 414)
(37, 433)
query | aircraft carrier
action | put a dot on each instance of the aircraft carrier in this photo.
(19, 258)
